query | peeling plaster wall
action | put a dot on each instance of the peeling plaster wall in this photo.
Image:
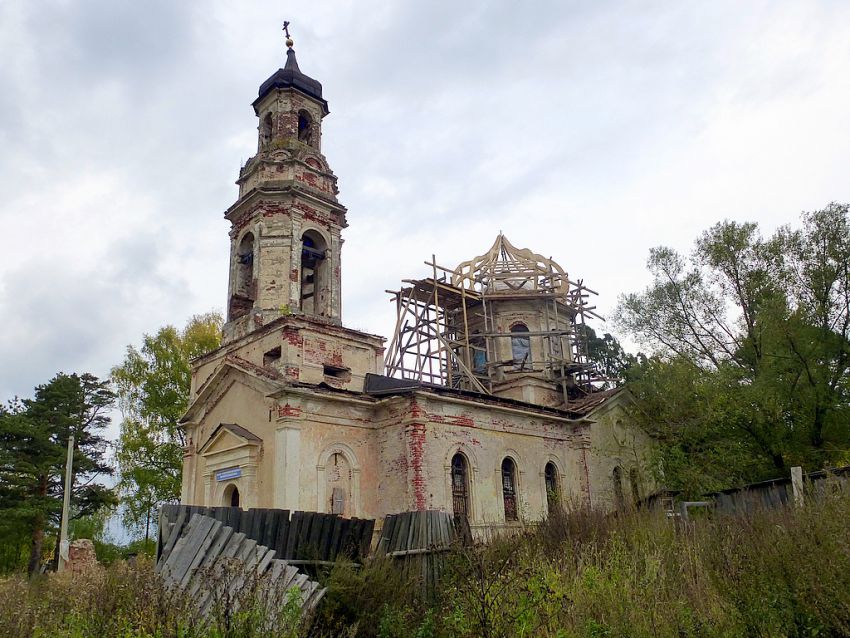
(306, 347)
(617, 441)
(399, 450)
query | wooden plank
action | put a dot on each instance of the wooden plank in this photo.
(282, 532)
(314, 600)
(333, 545)
(311, 549)
(233, 517)
(299, 581)
(276, 569)
(303, 539)
(272, 520)
(400, 541)
(184, 558)
(203, 548)
(324, 542)
(449, 535)
(413, 535)
(265, 559)
(167, 517)
(186, 548)
(422, 521)
(386, 534)
(292, 537)
(358, 538)
(246, 522)
(231, 547)
(167, 564)
(366, 541)
(349, 541)
(289, 575)
(246, 550)
(172, 539)
(212, 555)
(339, 550)
(397, 533)
(326, 535)
(411, 532)
(257, 524)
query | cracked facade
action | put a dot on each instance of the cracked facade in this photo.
(484, 407)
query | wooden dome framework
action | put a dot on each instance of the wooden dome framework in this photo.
(432, 342)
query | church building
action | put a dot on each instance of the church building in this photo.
(483, 403)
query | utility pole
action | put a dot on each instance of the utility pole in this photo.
(66, 506)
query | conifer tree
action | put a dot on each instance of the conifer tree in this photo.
(33, 445)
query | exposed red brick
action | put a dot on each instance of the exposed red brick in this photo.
(416, 451)
(292, 337)
(288, 410)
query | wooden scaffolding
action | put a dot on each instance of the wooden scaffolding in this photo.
(433, 341)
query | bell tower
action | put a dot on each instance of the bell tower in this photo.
(285, 238)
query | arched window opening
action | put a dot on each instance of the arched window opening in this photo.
(266, 131)
(242, 299)
(460, 486)
(313, 252)
(231, 496)
(479, 354)
(305, 127)
(635, 482)
(520, 346)
(509, 489)
(245, 266)
(617, 477)
(550, 475)
(339, 479)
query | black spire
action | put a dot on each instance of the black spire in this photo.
(290, 76)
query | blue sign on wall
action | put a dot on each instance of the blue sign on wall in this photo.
(230, 473)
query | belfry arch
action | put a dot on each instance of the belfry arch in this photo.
(243, 293)
(314, 273)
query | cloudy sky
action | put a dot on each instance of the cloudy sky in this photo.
(585, 131)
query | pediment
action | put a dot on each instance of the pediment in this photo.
(229, 436)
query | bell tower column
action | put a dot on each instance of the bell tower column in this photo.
(285, 237)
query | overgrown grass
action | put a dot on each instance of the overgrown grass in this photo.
(128, 600)
(637, 574)
(775, 573)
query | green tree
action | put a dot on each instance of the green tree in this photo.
(612, 361)
(153, 393)
(754, 334)
(33, 443)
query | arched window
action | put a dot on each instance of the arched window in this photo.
(339, 478)
(509, 489)
(231, 496)
(245, 266)
(520, 346)
(305, 127)
(550, 474)
(313, 251)
(460, 485)
(635, 482)
(479, 354)
(242, 299)
(266, 131)
(617, 477)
